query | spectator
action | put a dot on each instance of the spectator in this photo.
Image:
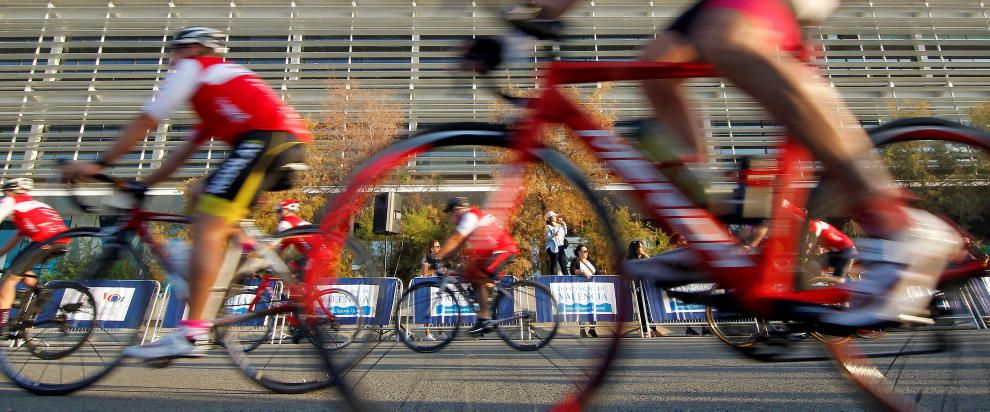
(556, 232)
(637, 250)
(583, 266)
(427, 270)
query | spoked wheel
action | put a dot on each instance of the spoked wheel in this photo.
(285, 362)
(528, 317)
(337, 318)
(242, 297)
(735, 331)
(428, 318)
(69, 342)
(420, 307)
(944, 165)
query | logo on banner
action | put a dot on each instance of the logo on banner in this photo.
(441, 304)
(112, 303)
(238, 304)
(675, 306)
(342, 306)
(584, 298)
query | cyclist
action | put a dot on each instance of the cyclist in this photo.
(489, 249)
(287, 219)
(38, 222)
(757, 44)
(267, 140)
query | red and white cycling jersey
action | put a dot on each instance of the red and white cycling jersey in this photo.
(301, 243)
(228, 98)
(830, 238)
(33, 219)
(484, 234)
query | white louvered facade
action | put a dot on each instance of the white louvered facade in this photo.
(73, 71)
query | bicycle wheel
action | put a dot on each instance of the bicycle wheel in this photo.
(589, 359)
(242, 298)
(943, 165)
(287, 362)
(334, 321)
(527, 318)
(74, 343)
(427, 307)
(735, 331)
(54, 334)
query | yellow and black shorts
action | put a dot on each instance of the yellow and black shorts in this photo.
(256, 164)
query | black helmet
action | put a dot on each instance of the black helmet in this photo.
(203, 36)
(456, 202)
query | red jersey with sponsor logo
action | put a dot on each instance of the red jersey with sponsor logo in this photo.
(484, 234)
(829, 237)
(33, 219)
(228, 98)
(301, 243)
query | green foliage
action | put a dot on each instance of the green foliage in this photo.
(632, 227)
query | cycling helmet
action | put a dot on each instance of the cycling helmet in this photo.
(205, 36)
(814, 10)
(291, 205)
(19, 185)
(456, 202)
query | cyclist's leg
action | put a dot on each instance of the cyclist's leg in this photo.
(668, 97)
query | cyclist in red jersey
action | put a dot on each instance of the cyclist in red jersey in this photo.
(266, 137)
(757, 44)
(489, 249)
(36, 221)
(288, 219)
(840, 251)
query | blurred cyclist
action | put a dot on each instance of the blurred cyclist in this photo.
(38, 222)
(266, 138)
(489, 249)
(757, 44)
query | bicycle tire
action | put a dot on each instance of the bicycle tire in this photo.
(343, 205)
(58, 318)
(242, 298)
(92, 254)
(745, 340)
(911, 381)
(300, 377)
(517, 336)
(448, 325)
(335, 334)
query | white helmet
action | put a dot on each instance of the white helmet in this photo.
(203, 36)
(18, 185)
(814, 11)
(291, 205)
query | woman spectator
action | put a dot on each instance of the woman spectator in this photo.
(584, 267)
(556, 232)
(637, 250)
(427, 270)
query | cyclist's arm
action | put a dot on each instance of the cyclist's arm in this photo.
(173, 162)
(177, 88)
(553, 9)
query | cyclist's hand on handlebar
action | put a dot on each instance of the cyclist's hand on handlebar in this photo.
(75, 170)
(482, 55)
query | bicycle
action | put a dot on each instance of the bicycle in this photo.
(760, 285)
(126, 249)
(444, 304)
(51, 320)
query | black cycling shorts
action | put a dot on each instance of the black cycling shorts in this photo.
(255, 165)
(34, 255)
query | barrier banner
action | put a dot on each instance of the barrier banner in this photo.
(177, 310)
(663, 308)
(585, 300)
(119, 303)
(375, 297)
(434, 308)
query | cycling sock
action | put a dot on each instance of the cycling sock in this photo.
(195, 329)
(4, 317)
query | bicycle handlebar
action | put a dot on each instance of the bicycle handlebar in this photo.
(101, 177)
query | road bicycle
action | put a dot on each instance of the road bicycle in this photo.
(130, 248)
(262, 290)
(523, 313)
(49, 321)
(762, 285)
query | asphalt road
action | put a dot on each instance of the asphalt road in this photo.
(682, 373)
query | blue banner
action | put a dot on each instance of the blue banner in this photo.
(119, 303)
(375, 296)
(600, 298)
(432, 308)
(175, 308)
(662, 308)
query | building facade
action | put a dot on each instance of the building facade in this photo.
(73, 71)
